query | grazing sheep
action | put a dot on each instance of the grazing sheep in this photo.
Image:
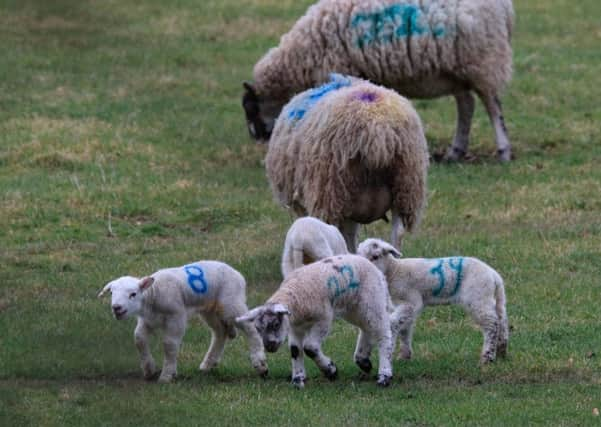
(416, 282)
(422, 49)
(309, 240)
(166, 299)
(347, 152)
(309, 299)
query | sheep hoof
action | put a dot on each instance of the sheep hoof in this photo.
(164, 379)
(453, 154)
(364, 364)
(264, 373)
(332, 372)
(504, 155)
(151, 375)
(384, 380)
(298, 382)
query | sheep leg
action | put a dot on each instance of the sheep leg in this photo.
(175, 327)
(487, 319)
(350, 230)
(141, 338)
(218, 338)
(255, 346)
(402, 324)
(398, 231)
(312, 348)
(465, 111)
(492, 103)
(295, 342)
(363, 352)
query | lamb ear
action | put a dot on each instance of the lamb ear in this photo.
(280, 309)
(104, 290)
(146, 283)
(395, 253)
(251, 315)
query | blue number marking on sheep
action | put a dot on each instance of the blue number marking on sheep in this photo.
(394, 22)
(334, 285)
(196, 279)
(458, 267)
(440, 272)
(454, 264)
(298, 110)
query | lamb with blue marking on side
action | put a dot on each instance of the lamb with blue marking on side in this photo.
(417, 282)
(168, 298)
(308, 300)
(309, 240)
(421, 49)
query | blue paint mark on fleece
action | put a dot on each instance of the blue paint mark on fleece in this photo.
(301, 106)
(196, 279)
(333, 283)
(456, 264)
(392, 23)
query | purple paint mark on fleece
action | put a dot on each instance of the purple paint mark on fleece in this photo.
(367, 96)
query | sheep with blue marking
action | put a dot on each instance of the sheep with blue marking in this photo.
(308, 301)
(417, 282)
(308, 240)
(347, 152)
(168, 298)
(422, 49)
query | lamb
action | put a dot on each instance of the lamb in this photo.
(418, 282)
(347, 152)
(308, 300)
(166, 299)
(309, 240)
(422, 49)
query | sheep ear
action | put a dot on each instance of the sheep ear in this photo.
(395, 253)
(280, 309)
(105, 290)
(251, 315)
(146, 283)
(250, 89)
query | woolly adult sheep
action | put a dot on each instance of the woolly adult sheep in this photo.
(347, 152)
(422, 49)
(416, 282)
(168, 298)
(309, 299)
(309, 240)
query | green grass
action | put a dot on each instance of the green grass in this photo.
(123, 150)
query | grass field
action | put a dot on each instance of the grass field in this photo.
(123, 149)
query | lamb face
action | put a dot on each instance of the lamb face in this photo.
(272, 323)
(376, 251)
(126, 295)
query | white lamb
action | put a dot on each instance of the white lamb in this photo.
(309, 240)
(309, 299)
(416, 282)
(166, 299)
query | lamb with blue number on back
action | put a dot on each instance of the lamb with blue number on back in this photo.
(417, 282)
(166, 299)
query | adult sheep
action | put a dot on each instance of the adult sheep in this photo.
(347, 152)
(422, 49)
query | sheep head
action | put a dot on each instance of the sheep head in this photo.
(126, 295)
(272, 323)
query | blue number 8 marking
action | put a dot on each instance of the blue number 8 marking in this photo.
(196, 279)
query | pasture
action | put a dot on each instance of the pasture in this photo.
(123, 149)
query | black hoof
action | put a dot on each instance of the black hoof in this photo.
(384, 380)
(331, 373)
(364, 364)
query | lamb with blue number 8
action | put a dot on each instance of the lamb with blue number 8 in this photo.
(417, 282)
(166, 299)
